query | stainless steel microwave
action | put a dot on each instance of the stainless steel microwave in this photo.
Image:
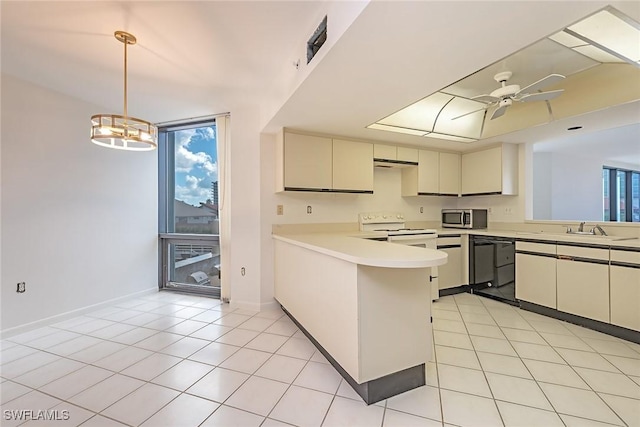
(464, 218)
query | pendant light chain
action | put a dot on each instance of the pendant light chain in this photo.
(126, 42)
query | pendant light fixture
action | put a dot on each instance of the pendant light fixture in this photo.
(123, 132)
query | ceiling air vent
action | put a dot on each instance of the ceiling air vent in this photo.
(317, 40)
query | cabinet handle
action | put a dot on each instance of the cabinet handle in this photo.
(565, 257)
(432, 277)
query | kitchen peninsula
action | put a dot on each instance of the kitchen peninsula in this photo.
(365, 304)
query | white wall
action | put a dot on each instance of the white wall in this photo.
(567, 187)
(542, 184)
(79, 222)
(244, 168)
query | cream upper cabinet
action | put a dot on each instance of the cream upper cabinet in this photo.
(449, 174)
(316, 163)
(491, 171)
(405, 154)
(625, 289)
(437, 174)
(536, 273)
(428, 175)
(352, 166)
(395, 154)
(385, 152)
(583, 282)
(307, 162)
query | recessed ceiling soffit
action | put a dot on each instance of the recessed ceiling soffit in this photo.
(588, 66)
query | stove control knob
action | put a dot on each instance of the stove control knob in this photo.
(400, 217)
(384, 216)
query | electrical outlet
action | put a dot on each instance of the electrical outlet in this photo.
(421, 209)
(489, 210)
(309, 209)
(22, 286)
(280, 210)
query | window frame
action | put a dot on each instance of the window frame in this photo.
(614, 196)
(166, 219)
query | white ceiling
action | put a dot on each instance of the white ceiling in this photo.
(193, 58)
(196, 58)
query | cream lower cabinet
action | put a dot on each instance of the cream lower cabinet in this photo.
(583, 282)
(625, 289)
(536, 273)
(450, 275)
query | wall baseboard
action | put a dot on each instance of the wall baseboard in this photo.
(17, 330)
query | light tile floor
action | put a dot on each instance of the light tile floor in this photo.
(175, 360)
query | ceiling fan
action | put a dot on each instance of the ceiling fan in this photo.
(503, 97)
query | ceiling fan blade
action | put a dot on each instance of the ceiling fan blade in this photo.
(485, 98)
(466, 114)
(499, 112)
(541, 96)
(543, 82)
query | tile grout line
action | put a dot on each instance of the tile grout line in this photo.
(225, 313)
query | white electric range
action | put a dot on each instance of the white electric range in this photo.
(393, 225)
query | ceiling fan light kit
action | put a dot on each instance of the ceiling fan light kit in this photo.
(123, 132)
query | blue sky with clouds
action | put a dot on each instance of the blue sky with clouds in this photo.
(196, 164)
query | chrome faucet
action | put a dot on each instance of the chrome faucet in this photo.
(581, 227)
(597, 227)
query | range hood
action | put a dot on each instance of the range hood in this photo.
(387, 163)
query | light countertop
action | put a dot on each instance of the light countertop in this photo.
(613, 241)
(354, 247)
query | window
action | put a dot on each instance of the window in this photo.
(189, 214)
(621, 194)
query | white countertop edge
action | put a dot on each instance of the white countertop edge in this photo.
(372, 253)
(545, 236)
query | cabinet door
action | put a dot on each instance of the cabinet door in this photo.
(386, 152)
(625, 297)
(408, 154)
(482, 171)
(449, 174)
(450, 274)
(583, 289)
(428, 174)
(352, 166)
(307, 162)
(536, 279)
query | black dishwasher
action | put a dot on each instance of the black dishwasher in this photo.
(492, 267)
